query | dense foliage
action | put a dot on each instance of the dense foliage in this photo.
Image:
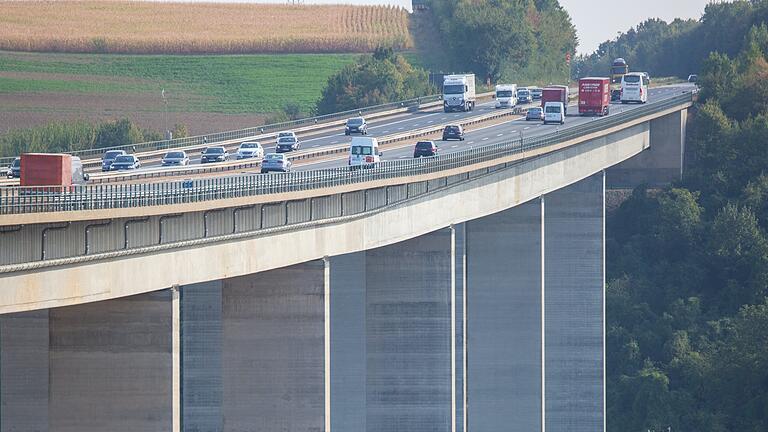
(519, 40)
(63, 137)
(374, 79)
(680, 47)
(687, 334)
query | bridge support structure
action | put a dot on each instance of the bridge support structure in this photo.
(493, 323)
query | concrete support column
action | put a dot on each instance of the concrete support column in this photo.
(504, 320)
(574, 275)
(662, 163)
(111, 365)
(459, 326)
(391, 337)
(24, 372)
(201, 344)
(273, 367)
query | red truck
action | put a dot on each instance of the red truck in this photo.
(594, 96)
(555, 93)
(49, 169)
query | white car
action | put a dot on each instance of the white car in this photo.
(250, 149)
(176, 158)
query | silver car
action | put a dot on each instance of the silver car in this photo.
(275, 162)
(176, 158)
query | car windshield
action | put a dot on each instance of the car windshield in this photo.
(287, 140)
(124, 158)
(361, 150)
(523, 93)
(453, 89)
(424, 145)
(175, 155)
(632, 78)
(553, 109)
(215, 150)
(355, 122)
(283, 134)
(451, 128)
(273, 156)
(248, 145)
(504, 93)
(112, 154)
(534, 110)
(16, 163)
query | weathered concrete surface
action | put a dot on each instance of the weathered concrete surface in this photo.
(459, 310)
(201, 376)
(273, 350)
(662, 163)
(110, 365)
(504, 320)
(102, 280)
(346, 285)
(574, 276)
(24, 372)
(408, 336)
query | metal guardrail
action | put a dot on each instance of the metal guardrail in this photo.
(20, 200)
(212, 138)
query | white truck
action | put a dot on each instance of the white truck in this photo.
(459, 92)
(506, 95)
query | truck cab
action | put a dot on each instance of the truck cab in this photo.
(506, 95)
(459, 92)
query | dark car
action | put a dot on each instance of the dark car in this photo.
(693, 78)
(425, 148)
(14, 170)
(453, 132)
(287, 144)
(125, 162)
(356, 125)
(535, 113)
(214, 154)
(109, 157)
(615, 95)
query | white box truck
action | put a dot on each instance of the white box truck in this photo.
(506, 95)
(459, 92)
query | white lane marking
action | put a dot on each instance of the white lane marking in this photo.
(416, 124)
(431, 121)
(443, 118)
(317, 145)
(513, 132)
(500, 135)
(403, 157)
(526, 128)
(399, 128)
(334, 142)
(385, 132)
(485, 139)
(471, 142)
(454, 146)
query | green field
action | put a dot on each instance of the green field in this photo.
(229, 84)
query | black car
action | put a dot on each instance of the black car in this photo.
(425, 148)
(356, 125)
(453, 132)
(214, 154)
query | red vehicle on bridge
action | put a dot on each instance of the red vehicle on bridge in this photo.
(594, 96)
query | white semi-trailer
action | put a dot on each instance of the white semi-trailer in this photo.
(459, 92)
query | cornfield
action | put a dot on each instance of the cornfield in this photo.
(198, 28)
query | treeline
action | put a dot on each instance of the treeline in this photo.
(514, 40)
(687, 305)
(63, 137)
(375, 79)
(680, 47)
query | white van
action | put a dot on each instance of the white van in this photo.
(634, 87)
(554, 112)
(506, 95)
(364, 151)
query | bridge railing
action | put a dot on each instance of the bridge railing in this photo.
(20, 200)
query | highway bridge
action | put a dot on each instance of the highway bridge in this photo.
(463, 292)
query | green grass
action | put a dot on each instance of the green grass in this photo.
(223, 84)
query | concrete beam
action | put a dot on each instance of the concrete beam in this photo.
(662, 163)
(574, 279)
(101, 280)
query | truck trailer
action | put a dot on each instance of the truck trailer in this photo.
(555, 93)
(51, 169)
(459, 92)
(594, 96)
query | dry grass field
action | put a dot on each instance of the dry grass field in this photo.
(132, 27)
